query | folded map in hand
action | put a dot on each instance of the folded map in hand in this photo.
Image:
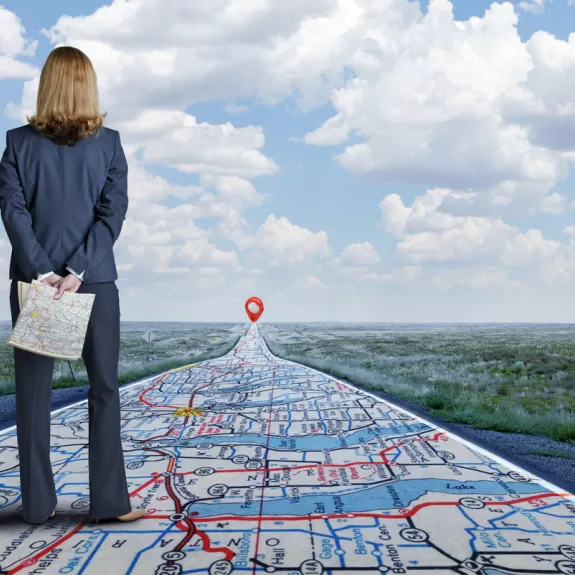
(52, 327)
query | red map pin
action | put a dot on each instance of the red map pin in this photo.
(254, 308)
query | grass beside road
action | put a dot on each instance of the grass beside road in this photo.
(504, 378)
(172, 348)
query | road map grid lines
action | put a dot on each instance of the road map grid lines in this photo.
(252, 464)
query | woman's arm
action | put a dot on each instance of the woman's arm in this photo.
(110, 215)
(29, 254)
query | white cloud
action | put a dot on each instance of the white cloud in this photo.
(545, 103)
(570, 230)
(533, 6)
(464, 105)
(333, 131)
(360, 254)
(204, 50)
(431, 99)
(285, 242)
(200, 252)
(554, 203)
(13, 44)
(176, 139)
(429, 236)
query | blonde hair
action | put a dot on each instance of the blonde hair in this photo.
(67, 104)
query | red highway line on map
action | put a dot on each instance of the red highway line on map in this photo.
(392, 447)
(207, 546)
(146, 402)
(310, 466)
(320, 465)
(142, 399)
(191, 527)
(294, 468)
(144, 485)
(34, 559)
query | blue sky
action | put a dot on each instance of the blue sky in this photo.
(503, 274)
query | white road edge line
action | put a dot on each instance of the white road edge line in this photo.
(483, 451)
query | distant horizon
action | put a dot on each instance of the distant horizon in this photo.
(339, 322)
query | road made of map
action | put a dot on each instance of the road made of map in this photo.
(249, 463)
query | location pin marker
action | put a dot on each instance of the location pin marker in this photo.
(254, 308)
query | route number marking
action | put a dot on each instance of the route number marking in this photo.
(218, 490)
(519, 477)
(567, 567)
(221, 568)
(311, 567)
(414, 535)
(568, 551)
(471, 566)
(472, 503)
(447, 455)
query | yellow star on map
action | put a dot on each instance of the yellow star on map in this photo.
(187, 411)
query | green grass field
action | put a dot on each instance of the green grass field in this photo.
(512, 378)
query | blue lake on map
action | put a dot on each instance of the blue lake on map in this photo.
(311, 442)
(363, 499)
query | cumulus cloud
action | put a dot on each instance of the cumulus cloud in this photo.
(204, 50)
(545, 103)
(200, 252)
(286, 242)
(427, 235)
(333, 131)
(360, 254)
(432, 100)
(177, 140)
(13, 44)
(465, 105)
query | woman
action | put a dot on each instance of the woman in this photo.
(63, 200)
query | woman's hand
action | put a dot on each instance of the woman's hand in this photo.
(69, 283)
(51, 280)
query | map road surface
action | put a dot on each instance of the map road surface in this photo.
(252, 464)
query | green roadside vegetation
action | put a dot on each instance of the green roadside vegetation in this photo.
(504, 378)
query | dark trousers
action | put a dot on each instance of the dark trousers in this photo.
(108, 487)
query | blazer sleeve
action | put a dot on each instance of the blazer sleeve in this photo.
(28, 253)
(110, 213)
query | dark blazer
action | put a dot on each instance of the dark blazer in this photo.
(63, 205)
